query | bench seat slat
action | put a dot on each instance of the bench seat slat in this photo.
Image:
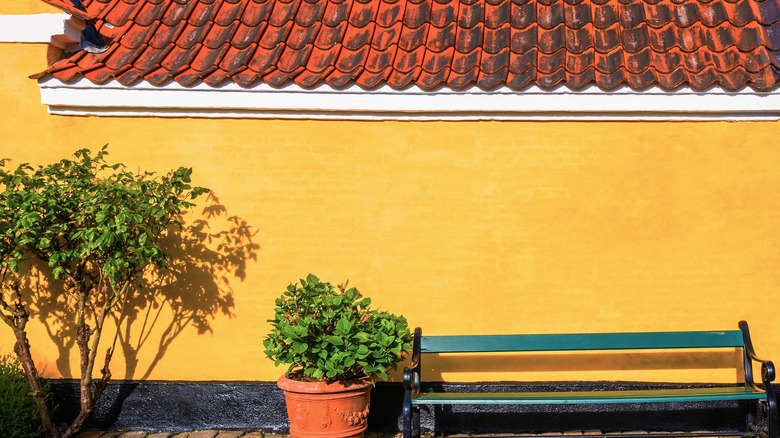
(580, 342)
(708, 394)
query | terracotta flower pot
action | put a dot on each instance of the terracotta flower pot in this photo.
(326, 410)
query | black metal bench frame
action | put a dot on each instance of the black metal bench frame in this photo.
(762, 394)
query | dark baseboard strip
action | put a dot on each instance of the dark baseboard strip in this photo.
(183, 406)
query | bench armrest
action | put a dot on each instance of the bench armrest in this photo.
(412, 372)
(767, 366)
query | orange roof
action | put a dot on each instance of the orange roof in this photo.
(432, 43)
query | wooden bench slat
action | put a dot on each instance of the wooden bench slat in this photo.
(708, 394)
(582, 342)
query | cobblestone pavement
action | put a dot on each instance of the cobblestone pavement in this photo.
(193, 434)
(259, 434)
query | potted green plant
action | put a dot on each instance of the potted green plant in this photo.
(336, 346)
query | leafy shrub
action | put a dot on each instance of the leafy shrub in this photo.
(18, 411)
(327, 333)
(99, 227)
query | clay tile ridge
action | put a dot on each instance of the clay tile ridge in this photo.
(487, 43)
(70, 8)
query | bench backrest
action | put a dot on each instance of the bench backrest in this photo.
(580, 342)
(735, 339)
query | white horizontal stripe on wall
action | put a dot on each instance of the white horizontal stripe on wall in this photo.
(33, 28)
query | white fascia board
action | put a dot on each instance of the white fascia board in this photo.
(31, 28)
(385, 103)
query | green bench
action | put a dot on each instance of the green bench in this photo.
(746, 390)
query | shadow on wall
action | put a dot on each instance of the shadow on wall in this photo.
(206, 255)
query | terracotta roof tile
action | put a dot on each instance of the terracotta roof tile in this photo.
(150, 13)
(148, 60)
(129, 76)
(122, 57)
(264, 60)
(321, 61)
(417, 13)
(71, 8)
(119, 15)
(471, 15)
(229, 12)
(236, 59)
(192, 35)
(444, 14)
(330, 36)
(390, 13)
(398, 79)
(432, 80)
(245, 78)
(177, 12)
(294, 59)
(246, 35)
(363, 12)
(370, 80)
(379, 60)
(307, 79)
(179, 58)
(357, 37)
(431, 43)
(310, 13)
(413, 38)
(468, 39)
(441, 39)
(350, 61)
(219, 35)
(165, 34)
(385, 37)
(203, 13)
(463, 80)
(408, 61)
(274, 35)
(283, 12)
(256, 13)
(206, 59)
(138, 35)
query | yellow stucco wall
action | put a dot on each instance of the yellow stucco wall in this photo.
(471, 227)
(26, 7)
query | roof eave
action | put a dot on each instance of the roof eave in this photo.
(82, 97)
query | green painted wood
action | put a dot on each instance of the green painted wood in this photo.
(580, 341)
(592, 397)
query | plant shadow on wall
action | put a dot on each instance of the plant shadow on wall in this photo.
(84, 242)
(206, 257)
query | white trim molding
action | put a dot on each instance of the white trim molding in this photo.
(84, 98)
(31, 28)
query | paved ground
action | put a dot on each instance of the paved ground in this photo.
(193, 434)
(257, 434)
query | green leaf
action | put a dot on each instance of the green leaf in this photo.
(362, 352)
(343, 326)
(335, 340)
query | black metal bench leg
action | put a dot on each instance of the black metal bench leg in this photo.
(416, 421)
(407, 414)
(772, 414)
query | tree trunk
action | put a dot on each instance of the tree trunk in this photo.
(22, 350)
(83, 334)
